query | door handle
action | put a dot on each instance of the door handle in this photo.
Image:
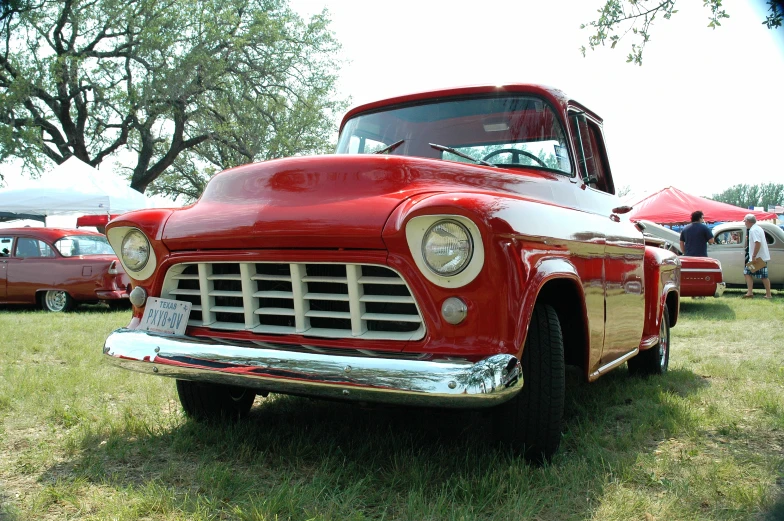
(622, 209)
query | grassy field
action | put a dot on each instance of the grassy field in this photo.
(80, 439)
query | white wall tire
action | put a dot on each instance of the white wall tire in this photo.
(56, 301)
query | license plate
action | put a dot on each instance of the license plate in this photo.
(165, 316)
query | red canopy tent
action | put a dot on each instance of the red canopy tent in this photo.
(671, 206)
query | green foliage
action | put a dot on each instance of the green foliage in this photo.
(776, 16)
(752, 195)
(617, 18)
(197, 86)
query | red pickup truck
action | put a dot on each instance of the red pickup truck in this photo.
(460, 250)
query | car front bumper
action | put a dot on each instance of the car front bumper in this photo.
(449, 383)
(720, 287)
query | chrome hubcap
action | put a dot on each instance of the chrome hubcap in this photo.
(55, 300)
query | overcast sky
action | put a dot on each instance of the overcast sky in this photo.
(703, 113)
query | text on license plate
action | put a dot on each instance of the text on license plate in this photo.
(165, 316)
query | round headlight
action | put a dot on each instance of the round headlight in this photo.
(447, 248)
(135, 250)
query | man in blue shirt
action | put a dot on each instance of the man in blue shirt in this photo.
(696, 236)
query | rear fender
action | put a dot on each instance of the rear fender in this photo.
(662, 286)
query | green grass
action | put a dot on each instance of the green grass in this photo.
(80, 439)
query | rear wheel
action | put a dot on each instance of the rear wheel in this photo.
(531, 422)
(214, 402)
(655, 360)
(56, 301)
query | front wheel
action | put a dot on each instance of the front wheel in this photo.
(531, 422)
(214, 402)
(655, 360)
(56, 301)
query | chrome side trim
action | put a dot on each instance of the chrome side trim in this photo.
(448, 383)
(615, 363)
(711, 270)
(720, 287)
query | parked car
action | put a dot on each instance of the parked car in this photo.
(700, 276)
(460, 250)
(730, 249)
(59, 268)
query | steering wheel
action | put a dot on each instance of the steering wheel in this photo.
(515, 155)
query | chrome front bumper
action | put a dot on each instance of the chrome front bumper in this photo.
(720, 287)
(448, 383)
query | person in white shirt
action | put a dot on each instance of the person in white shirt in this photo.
(756, 247)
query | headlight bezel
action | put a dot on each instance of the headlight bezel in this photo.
(464, 264)
(116, 235)
(134, 233)
(415, 229)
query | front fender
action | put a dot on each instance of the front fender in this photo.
(543, 272)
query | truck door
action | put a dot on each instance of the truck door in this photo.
(624, 299)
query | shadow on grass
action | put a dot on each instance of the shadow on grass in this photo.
(299, 458)
(99, 307)
(776, 513)
(706, 309)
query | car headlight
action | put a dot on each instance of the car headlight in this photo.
(135, 250)
(447, 248)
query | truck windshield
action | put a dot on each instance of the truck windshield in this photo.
(511, 131)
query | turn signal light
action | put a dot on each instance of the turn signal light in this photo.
(454, 310)
(138, 296)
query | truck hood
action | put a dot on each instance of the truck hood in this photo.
(337, 201)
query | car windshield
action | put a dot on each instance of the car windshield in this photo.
(74, 245)
(510, 131)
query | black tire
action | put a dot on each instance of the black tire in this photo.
(214, 402)
(56, 301)
(656, 360)
(532, 421)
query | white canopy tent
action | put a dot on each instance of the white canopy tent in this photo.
(72, 187)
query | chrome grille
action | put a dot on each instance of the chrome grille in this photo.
(319, 300)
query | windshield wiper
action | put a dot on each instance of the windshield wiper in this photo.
(390, 148)
(458, 153)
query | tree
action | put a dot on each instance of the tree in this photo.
(617, 18)
(765, 195)
(197, 86)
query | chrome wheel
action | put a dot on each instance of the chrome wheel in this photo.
(56, 301)
(655, 360)
(664, 344)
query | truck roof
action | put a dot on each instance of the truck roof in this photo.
(556, 97)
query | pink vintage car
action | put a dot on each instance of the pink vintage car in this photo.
(58, 268)
(460, 250)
